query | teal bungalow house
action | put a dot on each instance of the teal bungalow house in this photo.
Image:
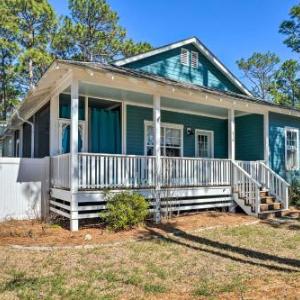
(173, 124)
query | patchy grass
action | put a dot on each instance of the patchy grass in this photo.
(246, 262)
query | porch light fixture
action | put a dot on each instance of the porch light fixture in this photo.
(220, 99)
(189, 131)
(173, 90)
(112, 77)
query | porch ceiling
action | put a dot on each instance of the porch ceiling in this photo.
(103, 92)
(194, 107)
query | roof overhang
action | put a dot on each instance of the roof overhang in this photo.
(60, 74)
(202, 49)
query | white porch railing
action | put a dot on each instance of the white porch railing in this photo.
(108, 171)
(246, 187)
(112, 171)
(251, 167)
(100, 171)
(188, 172)
(60, 171)
(276, 185)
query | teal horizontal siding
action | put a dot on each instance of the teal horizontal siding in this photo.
(277, 124)
(249, 137)
(168, 65)
(135, 130)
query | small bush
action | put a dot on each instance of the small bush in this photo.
(125, 210)
(294, 193)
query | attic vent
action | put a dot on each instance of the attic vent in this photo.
(184, 57)
(194, 59)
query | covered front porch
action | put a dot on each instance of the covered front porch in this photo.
(125, 137)
(110, 133)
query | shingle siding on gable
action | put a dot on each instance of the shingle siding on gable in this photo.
(167, 64)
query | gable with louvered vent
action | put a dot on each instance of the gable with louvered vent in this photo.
(194, 59)
(185, 57)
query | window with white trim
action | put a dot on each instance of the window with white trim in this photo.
(171, 139)
(185, 57)
(65, 135)
(291, 148)
(194, 59)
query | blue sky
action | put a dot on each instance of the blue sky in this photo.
(231, 29)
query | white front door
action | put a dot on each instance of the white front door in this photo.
(204, 143)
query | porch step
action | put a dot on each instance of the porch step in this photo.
(264, 193)
(271, 214)
(267, 200)
(271, 207)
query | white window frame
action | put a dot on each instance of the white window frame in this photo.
(194, 59)
(286, 148)
(81, 127)
(185, 57)
(164, 125)
(204, 132)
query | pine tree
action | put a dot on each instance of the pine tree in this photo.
(8, 53)
(36, 21)
(291, 28)
(260, 70)
(92, 33)
(286, 86)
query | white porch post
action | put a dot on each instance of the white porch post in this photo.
(32, 137)
(231, 148)
(156, 126)
(231, 134)
(21, 141)
(74, 154)
(266, 138)
(54, 114)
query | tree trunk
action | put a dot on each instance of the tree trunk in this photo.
(30, 72)
(4, 96)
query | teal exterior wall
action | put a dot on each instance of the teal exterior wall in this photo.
(249, 137)
(277, 124)
(167, 64)
(135, 130)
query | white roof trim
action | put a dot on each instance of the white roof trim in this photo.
(213, 59)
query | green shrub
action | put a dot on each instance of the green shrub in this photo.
(294, 193)
(125, 210)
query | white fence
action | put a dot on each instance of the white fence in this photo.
(24, 188)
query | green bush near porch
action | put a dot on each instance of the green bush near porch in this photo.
(294, 193)
(125, 210)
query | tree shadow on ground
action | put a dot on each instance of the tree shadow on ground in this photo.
(224, 250)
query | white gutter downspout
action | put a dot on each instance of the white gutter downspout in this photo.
(32, 132)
